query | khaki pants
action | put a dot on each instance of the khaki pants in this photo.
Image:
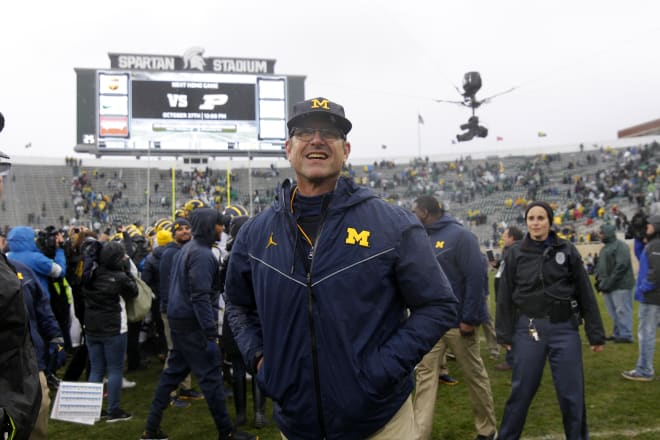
(442, 368)
(491, 338)
(40, 431)
(186, 384)
(466, 350)
(401, 426)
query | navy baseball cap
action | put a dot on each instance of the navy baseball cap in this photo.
(319, 106)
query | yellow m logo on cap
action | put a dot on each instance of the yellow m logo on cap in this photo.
(360, 238)
(324, 104)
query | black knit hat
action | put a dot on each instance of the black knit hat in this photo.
(543, 205)
(180, 221)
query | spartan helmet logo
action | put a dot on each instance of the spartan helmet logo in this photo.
(193, 59)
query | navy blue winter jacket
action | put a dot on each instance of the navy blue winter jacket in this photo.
(341, 340)
(150, 272)
(458, 253)
(194, 288)
(164, 272)
(43, 325)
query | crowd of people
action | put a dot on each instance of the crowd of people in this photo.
(342, 307)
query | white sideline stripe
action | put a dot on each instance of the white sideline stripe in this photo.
(625, 433)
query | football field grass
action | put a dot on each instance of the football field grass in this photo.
(616, 408)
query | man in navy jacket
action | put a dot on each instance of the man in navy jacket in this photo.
(192, 312)
(333, 295)
(457, 251)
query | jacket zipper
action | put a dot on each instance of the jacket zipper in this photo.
(314, 342)
(310, 318)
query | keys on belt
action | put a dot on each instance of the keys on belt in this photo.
(533, 333)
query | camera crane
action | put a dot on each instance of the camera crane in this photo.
(471, 85)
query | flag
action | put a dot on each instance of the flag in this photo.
(453, 141)
(384, 147)
(500, 138)
(28, 145)
(420, 120)
(542, 134)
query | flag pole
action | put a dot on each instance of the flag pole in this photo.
(419, 135)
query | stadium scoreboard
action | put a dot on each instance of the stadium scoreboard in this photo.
(184, 106)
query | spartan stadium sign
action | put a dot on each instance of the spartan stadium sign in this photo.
(191, 60)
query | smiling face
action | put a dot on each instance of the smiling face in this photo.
(538, 223)
(182, 234)
(317, 161)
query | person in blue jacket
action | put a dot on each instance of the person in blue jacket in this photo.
(192, 312)
(333, 295)
(457, 251)
(151, 276)
(647, 293)
(22, 247)
(44, 329)
(180, 231)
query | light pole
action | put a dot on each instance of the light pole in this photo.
(251, 211)
(148, 183)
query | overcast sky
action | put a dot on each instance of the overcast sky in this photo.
(583, 69)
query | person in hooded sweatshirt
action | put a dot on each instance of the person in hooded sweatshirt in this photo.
(106, 323)
(192, 313)
(23, 248)
(615, 279)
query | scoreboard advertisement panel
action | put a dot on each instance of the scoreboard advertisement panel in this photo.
(190, 110)
(170, 105)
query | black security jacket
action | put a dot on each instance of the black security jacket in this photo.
(536, 274)
(106, 296)
(20, 390)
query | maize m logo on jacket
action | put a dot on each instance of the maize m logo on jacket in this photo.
(353, 237)
(440, 244)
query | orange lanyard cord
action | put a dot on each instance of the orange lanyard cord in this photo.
(302, 231)
(309, 240)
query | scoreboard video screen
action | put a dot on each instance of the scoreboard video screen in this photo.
(173, 113)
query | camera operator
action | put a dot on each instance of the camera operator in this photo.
(50, 241)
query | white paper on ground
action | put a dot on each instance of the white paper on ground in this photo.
(78, 402)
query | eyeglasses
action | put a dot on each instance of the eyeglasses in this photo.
(327, 134)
